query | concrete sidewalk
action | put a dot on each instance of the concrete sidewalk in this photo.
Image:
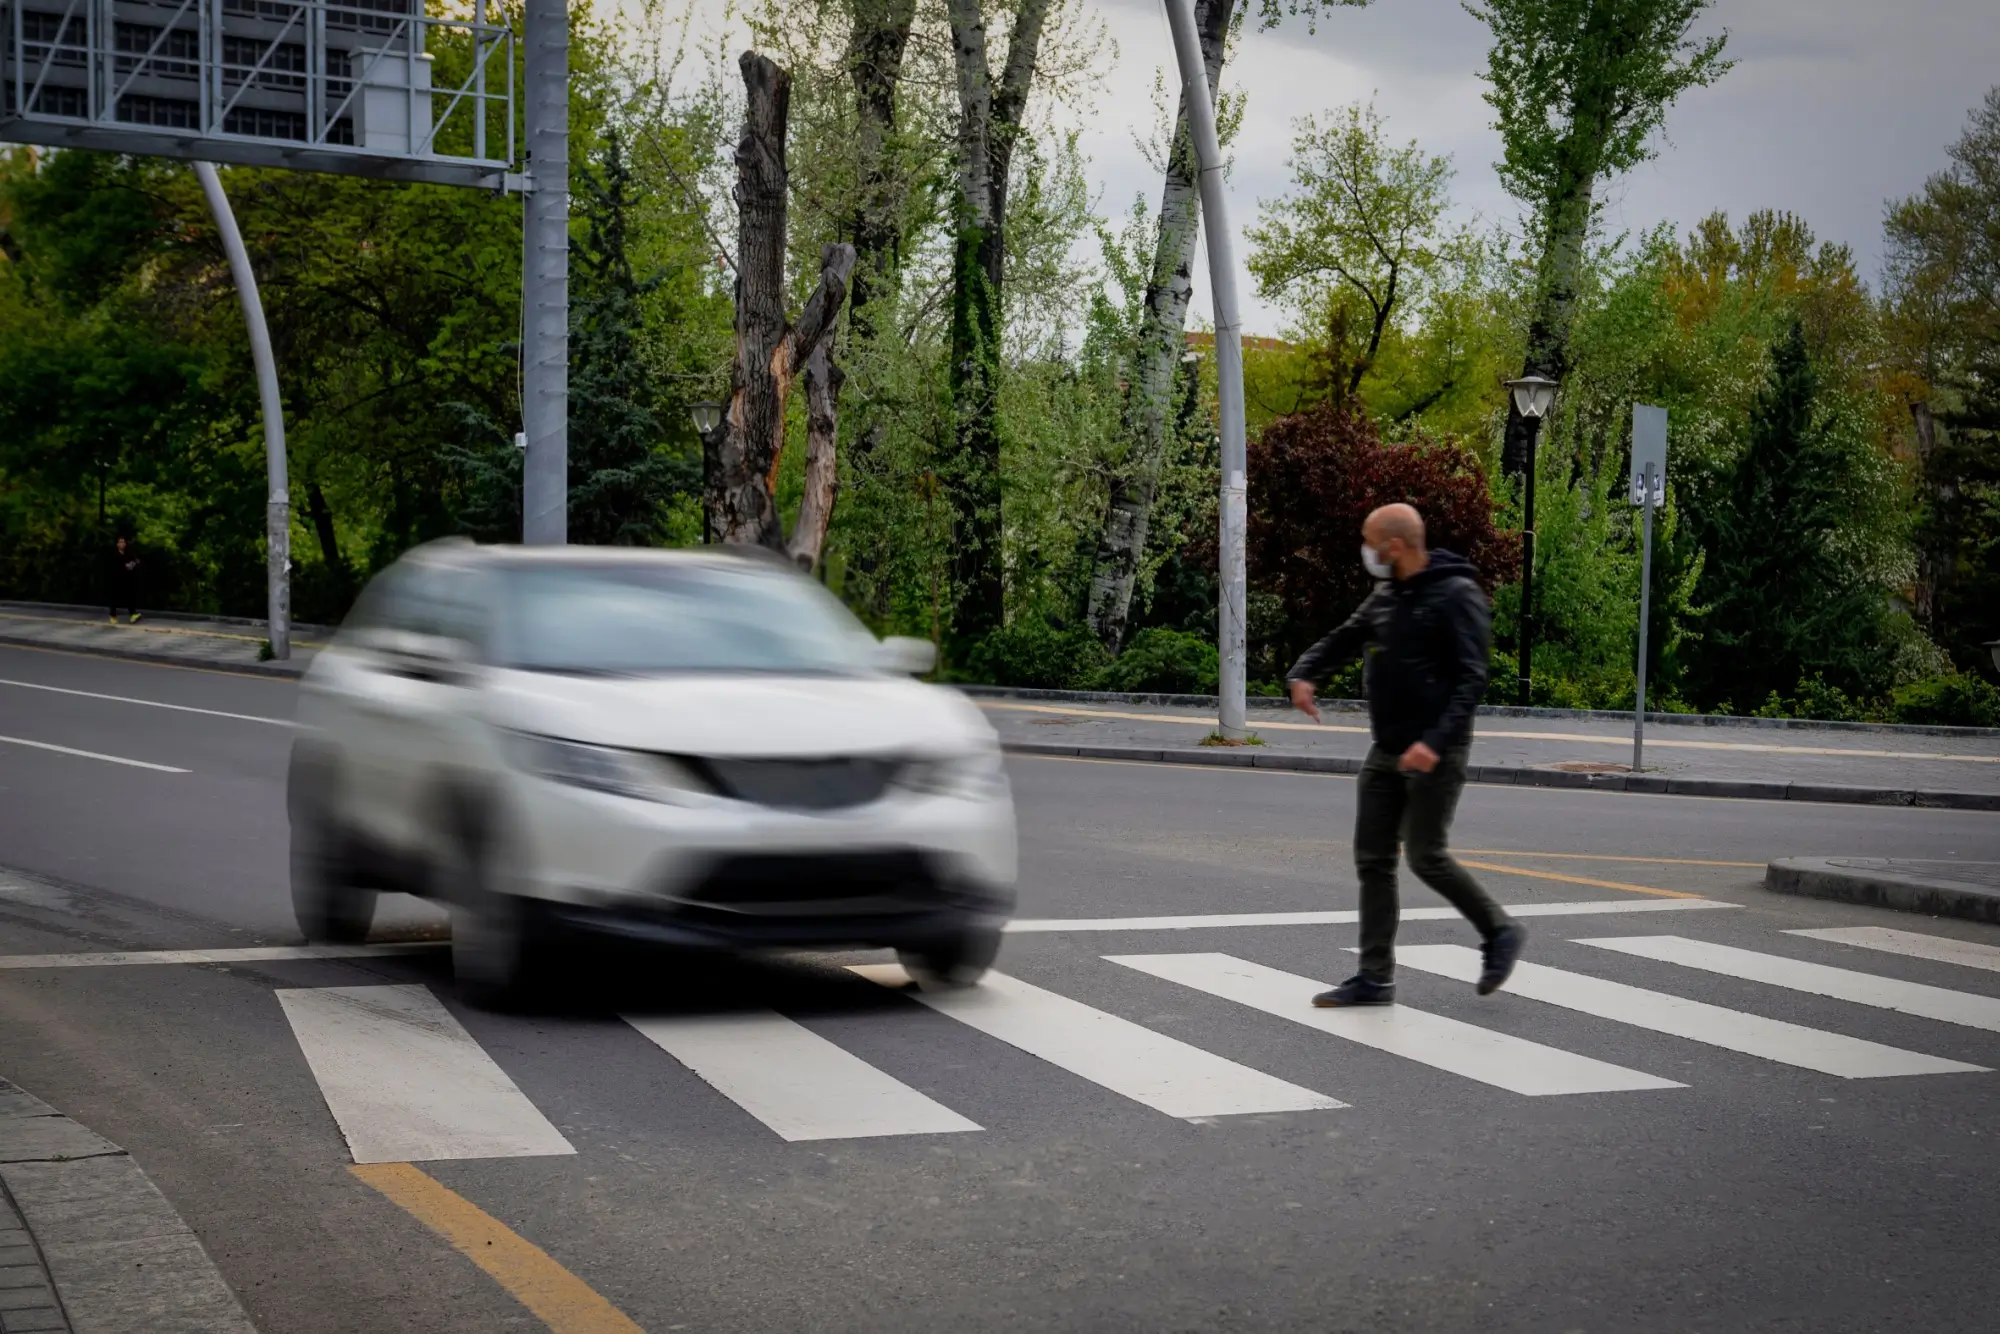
(1957, 768)
(167, 637)
(1970, 890)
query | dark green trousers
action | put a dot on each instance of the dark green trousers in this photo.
(1410, 811)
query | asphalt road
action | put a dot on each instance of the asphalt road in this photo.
(1467, 1182)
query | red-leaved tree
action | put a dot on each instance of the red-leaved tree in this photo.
(1315, 476)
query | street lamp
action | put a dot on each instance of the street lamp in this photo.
(707, 416)
(1993, 647)
(1532, 396)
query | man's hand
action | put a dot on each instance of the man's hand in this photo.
(1420, 758)
(1302, 700)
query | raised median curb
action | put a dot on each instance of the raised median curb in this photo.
(1513, 775)
(1970, 890)
(99, 1249)
(290, 670)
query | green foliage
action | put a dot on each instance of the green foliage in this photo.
(1814, 698)
(1035, 653)
(1960, 700)
(1163, 661)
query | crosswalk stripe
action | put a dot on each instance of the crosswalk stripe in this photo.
(1885, 993)
(406, 1083)
(238, 954)
(1697, 1021)
(1164, 1073)
(1943, 949)
(1342, 916)
(793, 1080)
(1493, 1058)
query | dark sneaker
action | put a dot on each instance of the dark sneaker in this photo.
(1356, 991)
(1500, 953)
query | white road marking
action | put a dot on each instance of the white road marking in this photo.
(1343, 917)
(1164, 1073)
(1753, 1035)
(1511, 1063)
(245, 954)
(94, 755)
(1943, 949)
(149, 703)
(795, 1081)
(406, 1082)
(1884, 993)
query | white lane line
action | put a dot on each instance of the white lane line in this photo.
(1753, 1035)
(1884, 993)
(1511, 1063)
(795, 1081)
(245, 954)
(406, 1082)
(94, 755)
(1343, 917)
(149, 703)
(1164, 1073)
(1943, 949)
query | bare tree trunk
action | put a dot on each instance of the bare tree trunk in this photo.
(744, 461)
(1555, 308)
(321, 515)
(823, 378)
(875, 48)
(1157, 355)
(989, 125)
(1934, 558)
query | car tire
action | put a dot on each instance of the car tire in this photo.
(499, 941)
(329, 907)
(958, 960)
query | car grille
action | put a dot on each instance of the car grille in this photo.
(801, 785)
(762, 880)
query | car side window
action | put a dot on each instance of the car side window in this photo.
(416, 597)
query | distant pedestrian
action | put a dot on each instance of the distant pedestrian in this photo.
(124, 579)
(1425, 629)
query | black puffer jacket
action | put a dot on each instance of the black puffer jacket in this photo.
(1426, 638)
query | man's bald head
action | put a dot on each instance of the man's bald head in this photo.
(1392, 522)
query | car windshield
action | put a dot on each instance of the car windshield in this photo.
(647, 619)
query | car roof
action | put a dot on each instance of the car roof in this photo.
(459, 550)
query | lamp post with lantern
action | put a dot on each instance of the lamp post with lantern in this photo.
(1533, 395)
(706, 416)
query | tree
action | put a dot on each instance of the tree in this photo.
(744, 452)
(1579, 87)
(989, 125)
(1361, 235)
(1944, 289)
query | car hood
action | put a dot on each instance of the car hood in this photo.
(744, 716)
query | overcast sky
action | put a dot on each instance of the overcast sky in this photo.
(1834, 107)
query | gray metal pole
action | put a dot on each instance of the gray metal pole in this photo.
(545, 278)
(1228, 367)
(278, 496)
(1645, 622)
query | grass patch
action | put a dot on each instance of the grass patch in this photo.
(1217, 739)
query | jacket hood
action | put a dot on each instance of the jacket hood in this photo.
(1446, 565)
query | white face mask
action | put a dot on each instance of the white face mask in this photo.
(1374, 564)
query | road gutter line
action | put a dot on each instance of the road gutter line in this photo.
(94, 755)
(531, 1276)
(1580, 880)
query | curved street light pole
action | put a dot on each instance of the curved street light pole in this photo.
(1228, 369)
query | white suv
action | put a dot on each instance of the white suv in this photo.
(690, 747)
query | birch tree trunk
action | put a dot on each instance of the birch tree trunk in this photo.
(989, 124)
(742, 462)
(1156, 357)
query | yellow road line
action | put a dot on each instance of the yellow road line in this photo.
(561, 1300)
(1582, 880)
(1605, 857)
(1583, 737)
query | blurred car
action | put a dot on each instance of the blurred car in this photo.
(697, 748)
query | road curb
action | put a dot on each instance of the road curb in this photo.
(1883, 885)
(1510, 775)
(288, 671)
(115, 1255)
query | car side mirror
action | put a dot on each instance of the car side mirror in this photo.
(425, 657)
(907, 656)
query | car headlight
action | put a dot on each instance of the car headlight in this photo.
(975, 777)
(624, 773)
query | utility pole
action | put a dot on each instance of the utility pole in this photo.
(1231, 649)
(278, 494)
(545, 278)
(1648, 490)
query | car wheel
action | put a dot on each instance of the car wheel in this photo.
(956, 961)
(499, 941)
(329, 907)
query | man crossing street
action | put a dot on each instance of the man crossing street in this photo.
(1425, 630)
